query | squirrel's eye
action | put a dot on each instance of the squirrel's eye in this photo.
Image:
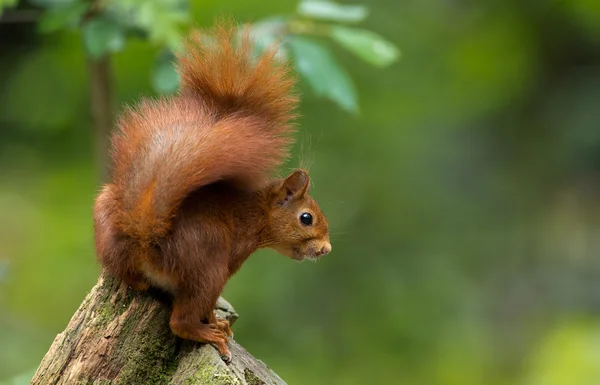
(306, 219)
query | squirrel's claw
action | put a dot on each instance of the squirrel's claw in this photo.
(227, 357)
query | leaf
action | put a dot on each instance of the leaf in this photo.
(365, 44)
(164, 21)
(102, 36)
(165, 78)
(325, 10)
(61, 17)
(325, 76)
(268, 32)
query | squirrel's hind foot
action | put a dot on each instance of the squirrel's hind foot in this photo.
(225, 327)
(210, 333)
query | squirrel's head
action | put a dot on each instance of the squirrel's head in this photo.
(297, 225)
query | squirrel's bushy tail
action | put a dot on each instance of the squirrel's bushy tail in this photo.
(230, 121)
(228, 78)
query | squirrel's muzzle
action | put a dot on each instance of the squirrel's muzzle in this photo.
(326, 249)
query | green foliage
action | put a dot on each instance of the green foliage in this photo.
(165, 78)
(105, 30)
(313, 60)
(586, 15)
(102, 36)
(67, 16)
(367, 45)
(328, 10)
(323, 73)
(6, 4)
(164, 23)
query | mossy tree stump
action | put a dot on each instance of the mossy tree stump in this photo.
(118, 336)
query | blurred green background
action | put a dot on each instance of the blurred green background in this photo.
(463, 200)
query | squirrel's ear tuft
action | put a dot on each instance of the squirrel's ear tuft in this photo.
(295, 185)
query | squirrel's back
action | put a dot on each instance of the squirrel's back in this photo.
(230, 121)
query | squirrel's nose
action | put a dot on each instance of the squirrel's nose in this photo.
(326, 249)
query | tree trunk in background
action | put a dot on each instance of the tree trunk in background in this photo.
(101, 101)
(118, 336)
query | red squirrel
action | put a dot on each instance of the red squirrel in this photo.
(191, 195)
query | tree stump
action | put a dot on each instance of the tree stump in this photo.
(118, 336)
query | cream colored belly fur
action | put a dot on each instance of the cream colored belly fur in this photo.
(157, 277)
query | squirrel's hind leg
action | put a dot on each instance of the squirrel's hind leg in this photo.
(186, 323)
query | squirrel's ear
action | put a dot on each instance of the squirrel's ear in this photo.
(295, 185)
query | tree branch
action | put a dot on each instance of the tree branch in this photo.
(20, 16)
(118, 336)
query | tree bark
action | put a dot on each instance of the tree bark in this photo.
(118, 336)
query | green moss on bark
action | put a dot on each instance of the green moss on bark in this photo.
(251, 378)
(212, 372)
(149, 358)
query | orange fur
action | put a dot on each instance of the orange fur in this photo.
(191, 196)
